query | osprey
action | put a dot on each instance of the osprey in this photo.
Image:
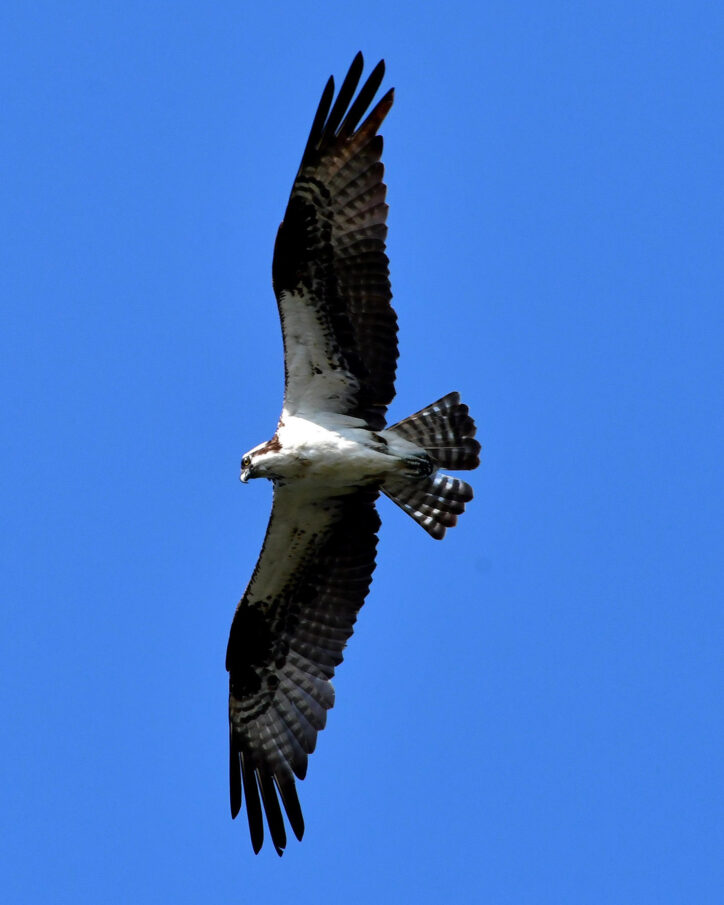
(330, 457)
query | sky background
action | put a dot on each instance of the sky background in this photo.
(528, 712)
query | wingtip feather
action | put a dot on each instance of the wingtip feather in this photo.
(234, 781)
(253, 805)
(274, 818)
(290, 800)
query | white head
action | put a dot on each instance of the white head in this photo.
(247, 471)
(258, 462)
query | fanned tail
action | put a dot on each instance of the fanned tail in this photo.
(446, 432)
(434, 502)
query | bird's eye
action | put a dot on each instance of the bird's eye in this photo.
(246, 462)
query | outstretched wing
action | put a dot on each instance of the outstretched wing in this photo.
(330, 271)
(287, 637)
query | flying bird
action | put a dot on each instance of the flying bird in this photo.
(330, 457)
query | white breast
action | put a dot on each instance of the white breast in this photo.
(334, 452)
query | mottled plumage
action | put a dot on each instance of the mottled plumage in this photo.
(329, 458)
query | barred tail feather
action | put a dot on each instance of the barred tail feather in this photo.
(435, 502)
(445, 431)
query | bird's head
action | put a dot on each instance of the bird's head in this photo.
(261, 461)
(247, 468)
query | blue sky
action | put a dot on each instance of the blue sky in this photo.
(528, 712)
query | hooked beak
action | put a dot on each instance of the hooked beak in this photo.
(247, 473)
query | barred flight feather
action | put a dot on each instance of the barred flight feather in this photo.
(279, 688)
(338, 198)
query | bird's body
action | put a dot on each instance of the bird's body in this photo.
(331, 456)
(334, 451)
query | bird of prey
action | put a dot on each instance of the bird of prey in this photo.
(330, 457)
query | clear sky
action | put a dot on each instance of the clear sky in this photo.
(529, 711)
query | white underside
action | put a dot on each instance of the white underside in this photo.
(334, 451)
